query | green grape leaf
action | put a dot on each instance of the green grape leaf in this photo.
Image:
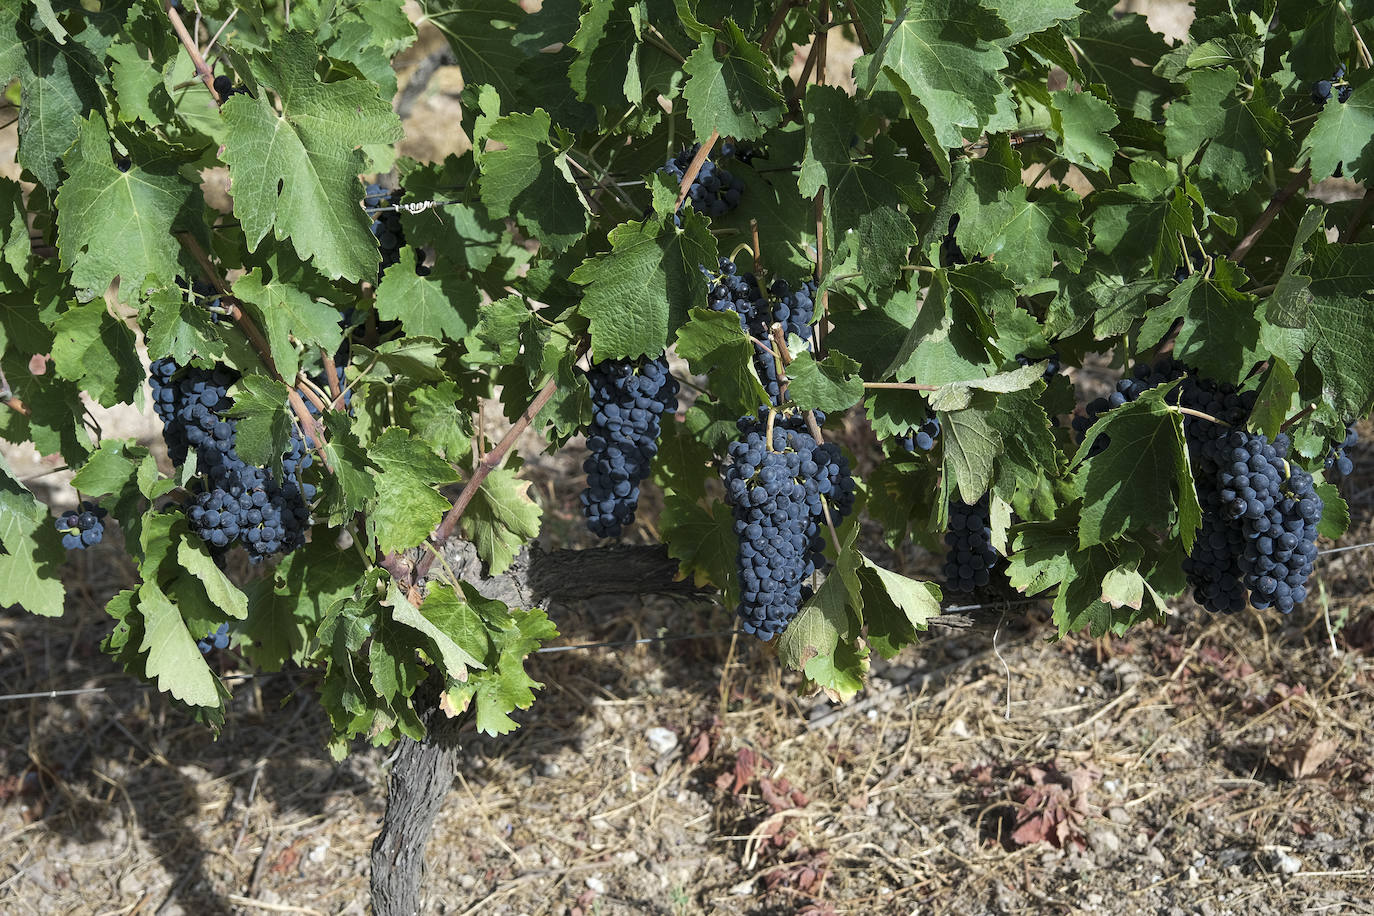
(819, 641)
(264, 423)
(1119, 51)
(942, 53)
(60, 86)
(1142, 479)
(482, 33)
(223, 593)
(181, 328)
(295, 173)
(831, 384)
(1023, 236)
(138, 86)
(895, 607)
(1335, 520)
(638, 294)
(288, 316)
(173, 660)
(1275, 401)
(91, 347)
(435, 411)
(1220, 334)
(505, 685)
(605, 71)
(701, 538)
(1026, 17)
(351, 486)
(29, 547)
(408, 506)
(714, 344)
(731, 86)
(452, 628)
(1240, 134)
(118, 224)
(441, 305)
(501, 519)
(950, 340)
(1084, 123)
(1344, 132)
(862, 193)
(286, 607)
(530, 179)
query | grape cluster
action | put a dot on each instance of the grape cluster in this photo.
(1258, 537)
(216, 640)
(81, 527)
(779, 493)
(715, 192)
(740, 293)
(922, 437)
(628, 398)
(231, 501)
(1321, 89)
(1336, 459)
(971, 557)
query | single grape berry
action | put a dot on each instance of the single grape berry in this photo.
(216, 640)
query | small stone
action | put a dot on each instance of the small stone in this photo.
(467, 882)
(959, 729)
(596, 885)
(549, 769)
(1095, 899)
(318, 852)
(1118, 815)
(1154, 857)
(1286, 864)
(661, 740)
(1192, 876)
(627, 857)
(1104, 842)
(743, 889)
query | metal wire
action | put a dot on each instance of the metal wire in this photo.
(548, 650)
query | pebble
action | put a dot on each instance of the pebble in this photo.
(743, 889)
(596, 885)
(662, 740)
(959, 729)
(549, 769)
(1155, 857)
(1104, 842)
(1286, 864)
(627, 857)
(467, 882)
(1118, 815)
(318, 852)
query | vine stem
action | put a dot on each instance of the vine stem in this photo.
(489, 463)
(1200, 415)
(1296, 418)
(1365, 56)
(332, 371)
(859, 31)
(189, 43)
(1267, 217)
(250, 330)
(779, 16)
(902, 386)
(694, 168)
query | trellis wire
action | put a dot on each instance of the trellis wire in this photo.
(548, 650)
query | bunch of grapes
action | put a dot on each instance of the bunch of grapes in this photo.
(1258, 537)
(922, 437)
(740, 293)
(780, 493)
(216, 640)
(1321, 89)
(81, 527)
(628, 399)
(715, 192)
(231, 501)
(971, 556)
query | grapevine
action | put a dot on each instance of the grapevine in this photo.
(1038, 278)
